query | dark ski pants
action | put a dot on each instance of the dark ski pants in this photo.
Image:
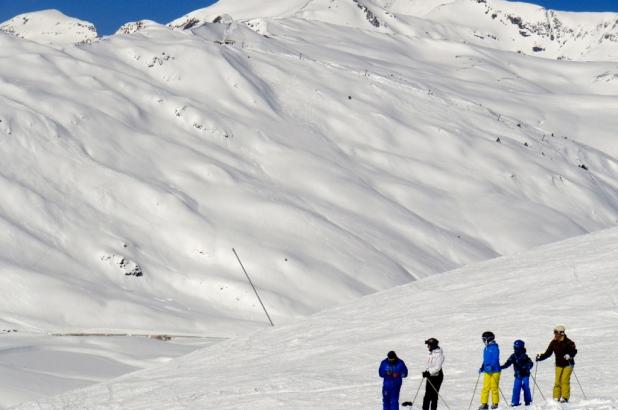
(521, 383)
(390, 395)
(430, 401)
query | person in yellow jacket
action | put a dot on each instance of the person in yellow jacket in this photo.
(564, 349)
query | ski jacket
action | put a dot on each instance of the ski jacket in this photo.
(521, 363)
(435, 361)
(491, 358)
(393, 372)
(560, 348)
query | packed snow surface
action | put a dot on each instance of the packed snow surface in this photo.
(341, 147)
(330, 360)
(33, 366)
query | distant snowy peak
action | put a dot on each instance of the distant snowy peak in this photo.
(554, 34)
(50, 27)
(511, 26)
(355, 13)
(135, 26)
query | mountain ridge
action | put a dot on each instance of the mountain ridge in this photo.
(138, 161)
(534, 29)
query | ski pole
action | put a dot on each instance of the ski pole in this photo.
(537, 386)
(474, 392)
(503, 397)
(534, 378)
(438, 393)
(580, 385)
(535, 383)
(411, 403)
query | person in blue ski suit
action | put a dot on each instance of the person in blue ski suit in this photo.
(392, 370)
(521, 365)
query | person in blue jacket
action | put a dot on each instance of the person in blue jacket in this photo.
(522, 365)
(392, 370)
(491, 368)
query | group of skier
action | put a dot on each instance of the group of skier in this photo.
(393, 370)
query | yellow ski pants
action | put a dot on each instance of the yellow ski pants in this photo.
(491, 383)
(562, 384)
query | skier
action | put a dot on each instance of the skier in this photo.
(565, 350)
(521, 365)
(392, 370)
(433, 373)
(491, 368)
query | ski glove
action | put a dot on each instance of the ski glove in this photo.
(426, 373)
(481, 370)
(567, 356)
(538, 357)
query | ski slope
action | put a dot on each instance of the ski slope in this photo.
(34, 366)
(330, 360)
(341, 147)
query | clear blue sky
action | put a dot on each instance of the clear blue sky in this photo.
(108, 15)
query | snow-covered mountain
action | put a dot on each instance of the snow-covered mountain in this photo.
(498, 24)
(50, 27)
(330, 360)
(338, 159)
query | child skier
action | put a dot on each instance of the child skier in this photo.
(521, 365)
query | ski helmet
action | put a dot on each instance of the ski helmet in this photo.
(518, 344)
(559, 328)
(488, 337)
(432, 342)
(392, 355)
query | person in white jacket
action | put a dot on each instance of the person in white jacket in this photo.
(433, 373)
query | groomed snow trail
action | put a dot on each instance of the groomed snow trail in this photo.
(330, 360)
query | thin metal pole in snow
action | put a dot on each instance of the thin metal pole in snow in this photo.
(411, 403)
(474, 392)
(580, 385)
(254, 289)
(438, 393)
(536, 384)
(503, 397)
(417, 390)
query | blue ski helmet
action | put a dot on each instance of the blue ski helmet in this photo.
(518, 344)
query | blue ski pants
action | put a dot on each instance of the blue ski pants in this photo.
(521, 383)
(390, 396)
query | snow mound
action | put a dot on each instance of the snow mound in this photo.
(50, 27)
(330, 360)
